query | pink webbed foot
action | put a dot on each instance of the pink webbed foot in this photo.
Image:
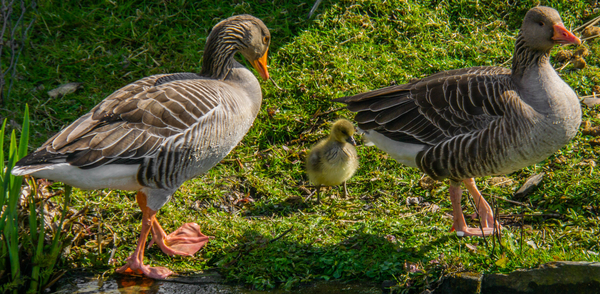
(467, 231)
(486, 215)
(485, 212)
(135, 262)
(185, 241)
(133, 266)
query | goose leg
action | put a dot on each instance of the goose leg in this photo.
(345, 191)
(319, 194)
(135, 262)
(185, 241)
(460, 225)
(483, 208)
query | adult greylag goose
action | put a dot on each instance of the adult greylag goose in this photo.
(478, 121)
(333, 160)
(158, 132)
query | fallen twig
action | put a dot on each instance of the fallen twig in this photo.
(564, 65)
(314, 8)
(276, 86)
(506, 62)
(54, 280)
(590, 37)
(310, 195)
(588, 96)
(587, 24)
(346, 41)
(507, 200)
(281, 235)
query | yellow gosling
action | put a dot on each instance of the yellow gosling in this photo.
(333, 160)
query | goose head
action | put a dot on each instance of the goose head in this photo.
(342, 131)
(240, 33)
(542, 28)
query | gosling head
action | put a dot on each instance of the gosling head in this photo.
(342, 131)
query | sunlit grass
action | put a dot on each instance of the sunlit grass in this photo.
(348, 47)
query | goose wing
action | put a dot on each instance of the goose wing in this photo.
(131, 124)
(436, 108)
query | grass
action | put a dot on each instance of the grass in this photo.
(348, 47)
(26, 262)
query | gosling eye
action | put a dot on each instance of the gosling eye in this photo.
(541, 23)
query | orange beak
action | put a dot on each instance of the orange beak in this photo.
(563, 36)
(261, 66)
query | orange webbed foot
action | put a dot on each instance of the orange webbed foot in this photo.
(185, 241)
(133, 267)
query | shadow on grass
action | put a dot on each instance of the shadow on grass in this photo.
(359, 257)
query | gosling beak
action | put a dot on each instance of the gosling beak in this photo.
(563, 36)
(351, 141)
(261, 66)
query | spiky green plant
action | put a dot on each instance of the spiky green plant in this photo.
(17, 246)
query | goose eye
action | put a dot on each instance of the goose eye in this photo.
(541, 24)
(266, 40)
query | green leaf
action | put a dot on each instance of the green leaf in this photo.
(2, 175)
(24, 134)
(502, 262)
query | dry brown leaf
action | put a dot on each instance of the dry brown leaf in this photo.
(500, 181)
(471, 247)
(64, 89)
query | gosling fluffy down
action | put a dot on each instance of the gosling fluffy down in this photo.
(333, 160)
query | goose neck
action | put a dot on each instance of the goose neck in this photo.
(218, 58)
(526, 59)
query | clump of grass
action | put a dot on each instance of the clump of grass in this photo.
(26, 258)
